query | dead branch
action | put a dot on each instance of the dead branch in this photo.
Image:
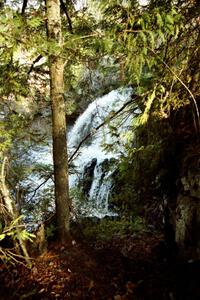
(94, 130)
(33, 63)
(64, 8)
(25, 2)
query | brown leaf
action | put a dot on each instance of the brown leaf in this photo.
(130, 286)
(91, 285)
(117, 297)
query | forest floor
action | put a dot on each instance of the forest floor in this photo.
(132, 267)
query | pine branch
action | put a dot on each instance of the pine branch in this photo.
(197, 121)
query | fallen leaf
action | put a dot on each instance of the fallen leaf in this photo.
(130, 286)
(117, 297)
(34, 270)
(91, 285)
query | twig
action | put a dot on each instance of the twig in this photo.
(64, 7)
(25, 2)
(39, 186)
(34, 62)
(94, 130)
(184, 85)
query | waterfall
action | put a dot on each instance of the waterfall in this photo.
(94, 166)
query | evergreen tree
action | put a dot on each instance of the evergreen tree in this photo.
(56, 67)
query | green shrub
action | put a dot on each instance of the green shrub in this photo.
(107, 228)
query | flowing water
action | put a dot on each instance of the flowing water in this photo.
(93, 167)
(100, 181)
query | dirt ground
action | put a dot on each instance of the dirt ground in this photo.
(135, 267)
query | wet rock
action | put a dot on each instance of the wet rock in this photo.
(88, 175)
(188, 226)
(191, 183)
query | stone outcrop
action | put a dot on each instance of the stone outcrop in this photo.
(187, 220)
(88, 174)
(188, 226)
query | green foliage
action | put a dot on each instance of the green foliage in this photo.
(50, 231)
(147, 168)
(35, 22)
(158, 45)
(156, 49)
(11, 127)
(106, 228)
(15, 231)
(144, 117)
(150, 41)
(20, 39)
(79, 202)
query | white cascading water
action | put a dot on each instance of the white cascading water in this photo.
(94, 115)
(91, 151)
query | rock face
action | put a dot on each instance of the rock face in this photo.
(191, 183)
(188, 226)
(88, 174)
(187, 217)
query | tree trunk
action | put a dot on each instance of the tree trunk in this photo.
(60, 158)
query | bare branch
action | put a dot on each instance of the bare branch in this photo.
(25, 2)
(64, 8)
(108, 119)
(40, 185)
(34, 62)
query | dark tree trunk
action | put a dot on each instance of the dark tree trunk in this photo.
(60, 158)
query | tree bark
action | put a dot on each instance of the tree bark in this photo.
(56, 67)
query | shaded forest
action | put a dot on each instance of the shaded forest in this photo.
(100, 150)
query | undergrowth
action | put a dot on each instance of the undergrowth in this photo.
(105, 229)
